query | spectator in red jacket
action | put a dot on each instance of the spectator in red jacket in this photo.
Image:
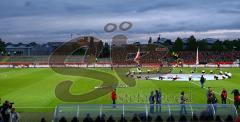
(238, 119)
(114, 97)
(224, 96)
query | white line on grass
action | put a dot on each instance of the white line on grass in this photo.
(213, 91)
(35, 107)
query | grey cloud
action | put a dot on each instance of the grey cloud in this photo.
(229, 11)
(62, 17)
(28, 3)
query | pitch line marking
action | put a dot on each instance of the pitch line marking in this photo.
(35, 107)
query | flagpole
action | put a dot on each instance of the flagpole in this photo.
(197, 60)
(110, 53)
(138, 64)
(137, 58)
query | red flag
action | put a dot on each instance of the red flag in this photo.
(137, 57)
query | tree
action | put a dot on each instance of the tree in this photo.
(80, 51)
(91, 47)
(202, 45)
(191, 43)
(150, 40)
(151, 47)
(32, 44)
(217, 46)
(168, 42)
(20, 43)
(2, 46)
(99, 47)
(228, 45)
(236, 44)
(159, 38)
(178, 45)
(106, 50)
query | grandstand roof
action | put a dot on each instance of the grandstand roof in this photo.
(19, 46)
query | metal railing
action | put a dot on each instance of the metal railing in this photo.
(80, 111)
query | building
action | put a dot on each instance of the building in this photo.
(18, 49)
(31, 48)
(119, 40)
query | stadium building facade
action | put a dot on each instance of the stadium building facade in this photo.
(31, 48)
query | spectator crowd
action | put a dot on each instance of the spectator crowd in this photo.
(8, 113)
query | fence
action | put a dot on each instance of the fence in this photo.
(128, 111)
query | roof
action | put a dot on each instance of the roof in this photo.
(55, 44)
(18, 46)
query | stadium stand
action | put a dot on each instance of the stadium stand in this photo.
(126, 55)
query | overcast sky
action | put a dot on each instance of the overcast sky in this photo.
(55, 20)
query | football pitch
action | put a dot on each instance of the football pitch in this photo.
(33, 89)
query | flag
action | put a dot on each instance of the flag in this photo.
(197, 61)
(137, 57)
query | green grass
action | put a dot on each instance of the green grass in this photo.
(33, 89)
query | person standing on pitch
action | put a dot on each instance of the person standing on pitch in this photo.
(114, 97)
(183, 102)
(202, 81)
(151, 101)
(224, 96)
(209, 96)
(158, 96)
